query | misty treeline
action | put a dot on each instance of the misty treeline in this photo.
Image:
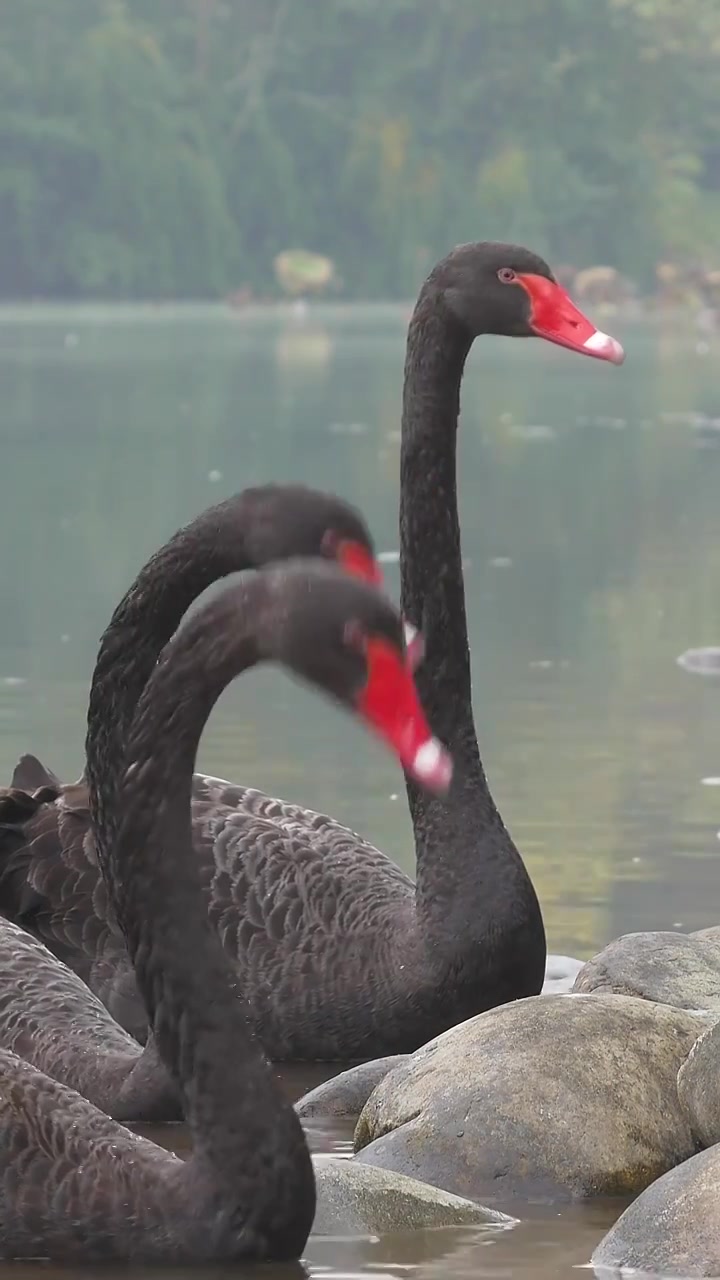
(170, 148)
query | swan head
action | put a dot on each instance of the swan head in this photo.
(282, 521)
(508, 290)
(348, 639)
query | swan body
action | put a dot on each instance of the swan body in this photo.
(50, 1019)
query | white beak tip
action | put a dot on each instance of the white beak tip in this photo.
(432, 765)
(605, 347)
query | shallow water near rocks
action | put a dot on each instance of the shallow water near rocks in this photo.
(548, 1243)
(588, 499)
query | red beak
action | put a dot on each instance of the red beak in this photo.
(554, 316)
(391, 706)
(356, 560)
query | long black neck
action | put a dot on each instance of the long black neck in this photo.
(209, 548)
(250, 1157)
(463, 849)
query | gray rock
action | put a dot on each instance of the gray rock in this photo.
(355, 1199)
(560, 973)
(564, 1096)
(347, 1093)
(712, 933)
(673, 1227)
(699, 1087)
(678, 969)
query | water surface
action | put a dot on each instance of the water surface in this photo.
(589, 500)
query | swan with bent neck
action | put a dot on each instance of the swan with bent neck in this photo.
(74, 1185)
(48, 1015)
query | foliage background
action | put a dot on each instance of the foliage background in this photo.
(170, 148)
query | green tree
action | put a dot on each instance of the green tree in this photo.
(173, 147)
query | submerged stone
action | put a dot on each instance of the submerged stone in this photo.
(699, 1087)
(678, 969)
(355, 1199)
(346, 1094)
(559, 1096)
(560, 973)
(673, 1228)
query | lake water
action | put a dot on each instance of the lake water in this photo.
(589, 510)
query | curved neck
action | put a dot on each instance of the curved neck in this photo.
(209, 548)
(250, 1154)
(463, 832)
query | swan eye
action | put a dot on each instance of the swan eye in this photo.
(507, 275)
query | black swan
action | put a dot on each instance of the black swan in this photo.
(49, 878)
(75, 1185)
(340, 954)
